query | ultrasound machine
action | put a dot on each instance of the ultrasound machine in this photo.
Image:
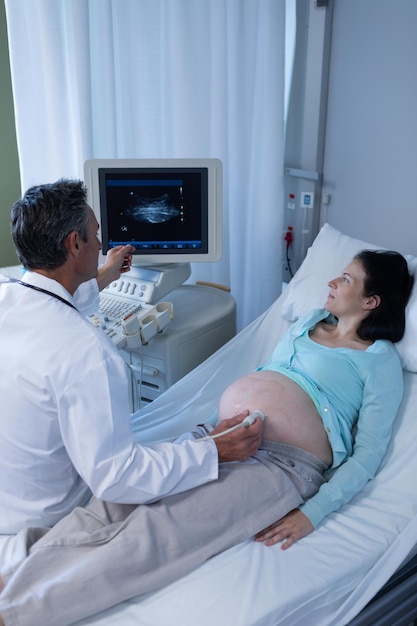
(170, 210)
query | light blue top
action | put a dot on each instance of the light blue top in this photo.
(353, 390)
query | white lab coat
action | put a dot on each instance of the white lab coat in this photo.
(65, 420)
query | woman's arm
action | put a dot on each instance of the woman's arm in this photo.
(289, 529)
(383, 390)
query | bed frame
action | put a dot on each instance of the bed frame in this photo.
(359, 568)
(396, 603)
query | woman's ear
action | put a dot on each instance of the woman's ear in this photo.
(372, 302)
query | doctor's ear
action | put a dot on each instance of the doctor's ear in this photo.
(71, 242)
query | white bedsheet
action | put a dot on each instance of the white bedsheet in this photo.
(324, 579)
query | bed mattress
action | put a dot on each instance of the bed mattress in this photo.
(323, 580)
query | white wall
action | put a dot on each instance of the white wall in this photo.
(370, 166)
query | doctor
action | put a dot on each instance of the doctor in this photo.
(64, 424)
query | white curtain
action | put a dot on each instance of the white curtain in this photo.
(163, 78)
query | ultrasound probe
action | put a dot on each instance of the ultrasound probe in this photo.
(248, 421)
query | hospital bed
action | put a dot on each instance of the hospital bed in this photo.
(331, 577)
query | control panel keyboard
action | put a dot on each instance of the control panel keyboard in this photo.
(128, 323)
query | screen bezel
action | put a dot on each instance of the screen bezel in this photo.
(212, 204)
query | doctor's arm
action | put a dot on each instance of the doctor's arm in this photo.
(118, 261)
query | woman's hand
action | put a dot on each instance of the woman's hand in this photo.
(289, 529)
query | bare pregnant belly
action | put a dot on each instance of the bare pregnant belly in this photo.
(291, 416)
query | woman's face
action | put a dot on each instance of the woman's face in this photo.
(346, 291)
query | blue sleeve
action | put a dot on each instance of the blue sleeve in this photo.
(383, 390)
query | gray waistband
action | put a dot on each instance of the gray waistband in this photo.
(294, 453)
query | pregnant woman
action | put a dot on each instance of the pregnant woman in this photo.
(329, 392)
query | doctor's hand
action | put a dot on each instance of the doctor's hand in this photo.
(118, 261)
(241, 443)
(290, 528)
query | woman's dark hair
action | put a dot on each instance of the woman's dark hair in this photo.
(44, 217)
(386, 276)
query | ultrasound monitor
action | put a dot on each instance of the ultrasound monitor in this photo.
(170, 210)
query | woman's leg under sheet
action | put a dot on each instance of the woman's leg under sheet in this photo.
(75, 573)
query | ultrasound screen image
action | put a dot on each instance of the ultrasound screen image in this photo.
(156, 211)
(152, 210)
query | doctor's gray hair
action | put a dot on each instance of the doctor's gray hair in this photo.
(43, 219)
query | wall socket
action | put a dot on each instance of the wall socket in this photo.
(307, 200)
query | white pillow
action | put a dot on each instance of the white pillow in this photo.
(407, 347)
(330, 252)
